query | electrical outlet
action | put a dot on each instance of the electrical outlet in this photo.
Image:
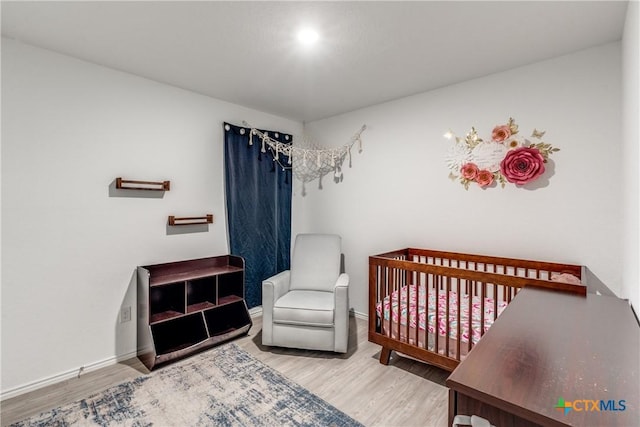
(125, 314)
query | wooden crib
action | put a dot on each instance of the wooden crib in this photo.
(435, 306)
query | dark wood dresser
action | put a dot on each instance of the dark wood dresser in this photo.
(553, 359)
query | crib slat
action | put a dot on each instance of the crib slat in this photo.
(483, 291)
(385, 281)
(389, 292)
(469, 324)
(407, 288)
(458, 322)
(448, 329)
(397, 289)
(436, 326)
(495, 303)
(425, 332)
(419, 287)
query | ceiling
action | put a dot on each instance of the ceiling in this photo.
(369, 52)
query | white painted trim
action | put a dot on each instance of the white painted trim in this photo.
(359, 315)
(73, 373)
(255, 311)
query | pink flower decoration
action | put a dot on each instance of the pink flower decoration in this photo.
(484, 178)
(500, 133)
(469, 171)
(522, 165)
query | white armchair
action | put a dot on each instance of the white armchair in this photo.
(307, 306)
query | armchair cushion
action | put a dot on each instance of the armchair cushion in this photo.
(315, 264)
(300, 307)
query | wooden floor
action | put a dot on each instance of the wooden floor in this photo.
(405, 393)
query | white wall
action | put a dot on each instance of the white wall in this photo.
(69, 128)
(631, 157)
(398, 193)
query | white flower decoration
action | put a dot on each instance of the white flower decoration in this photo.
(516, 141)
(488, 155)
(458, 155)
(483, 158)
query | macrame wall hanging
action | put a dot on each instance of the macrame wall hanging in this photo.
(306, 159)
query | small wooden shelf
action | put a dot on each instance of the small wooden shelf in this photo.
(190, 220)
(129, 184)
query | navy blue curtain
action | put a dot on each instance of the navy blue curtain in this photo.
(258, 193)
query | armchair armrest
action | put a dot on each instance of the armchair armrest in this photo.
(341, 315)
(272, 289)
(343, 281)
(275, 286)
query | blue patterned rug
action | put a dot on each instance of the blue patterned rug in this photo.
(224, 386)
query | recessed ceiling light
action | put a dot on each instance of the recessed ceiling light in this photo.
(308, 36)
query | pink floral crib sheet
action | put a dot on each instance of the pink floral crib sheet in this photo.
(442, 307)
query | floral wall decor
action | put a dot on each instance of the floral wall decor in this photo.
(507, 157)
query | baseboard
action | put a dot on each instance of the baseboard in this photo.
(358, 315)
(255, 311)
(73, 373)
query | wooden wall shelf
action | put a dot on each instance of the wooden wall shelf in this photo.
(128, 184)
(190, 220)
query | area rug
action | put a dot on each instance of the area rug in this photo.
(224, 386)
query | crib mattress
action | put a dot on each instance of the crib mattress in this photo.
(423, 316)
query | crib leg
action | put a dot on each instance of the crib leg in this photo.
(385, 355)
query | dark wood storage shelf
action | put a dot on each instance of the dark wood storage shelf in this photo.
(165, 315)
(228, 299)
(199, 306)
(177, 276)
(188, 306)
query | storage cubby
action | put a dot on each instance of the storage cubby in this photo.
(226, 318)
(166, 302)
(187, 306)
(201, 294)
(229, 289)
(172, 336)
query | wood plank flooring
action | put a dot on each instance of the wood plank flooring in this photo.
(404, 393)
